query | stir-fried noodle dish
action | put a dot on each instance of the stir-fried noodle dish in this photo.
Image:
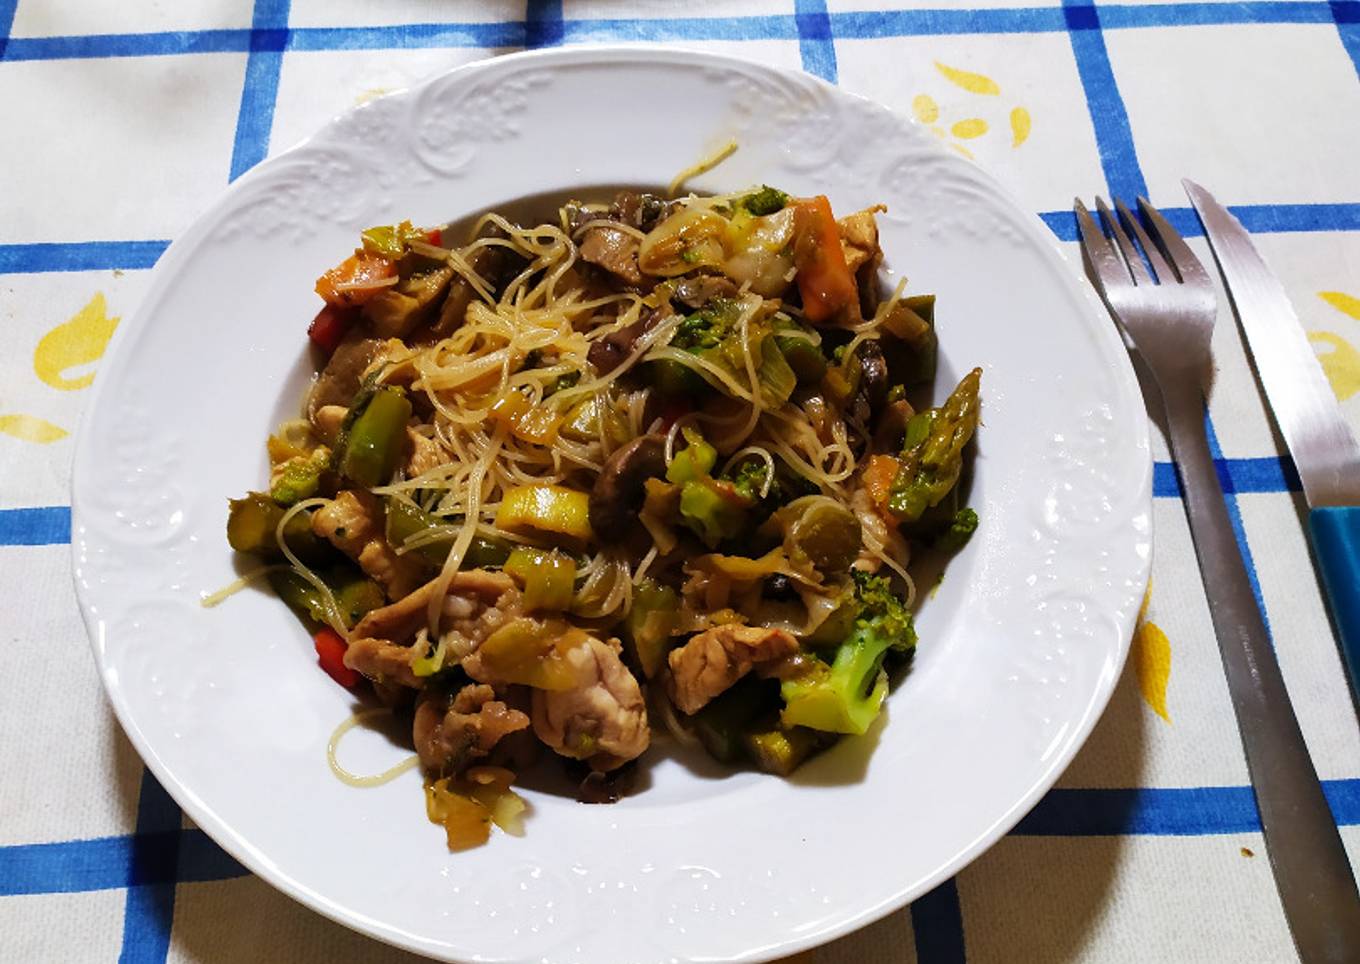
(647, 467)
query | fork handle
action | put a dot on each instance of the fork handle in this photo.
(1312, 872)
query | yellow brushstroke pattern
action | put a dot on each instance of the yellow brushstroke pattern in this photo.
(1341, 363)
(1152, 652)
(963, 150)
(30, 428)
(79, 341)
(1342, 302)
(1152, 659)
(969, 128)
(1020, 125)
(969, 81)
(924, 109)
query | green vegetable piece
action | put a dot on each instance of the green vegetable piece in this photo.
(253, 521)
(708, 327)
(671, 379)
(780, 751)
(358, 597)
(722, 724)
(748, 478)
(767, 200)
(694, 461)
(648, 626)
(805, 358)
(549, 577)
(846, 696)
(354, 594)
(390, 241)
(405, 520)
(837, 626)
(774, 374)
(377, 438)
(563, 381)
(932, 452)
(301, 477)
(959, 532)
(713, 509)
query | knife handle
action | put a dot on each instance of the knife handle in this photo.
(1336, 543)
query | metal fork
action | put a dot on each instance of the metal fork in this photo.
(1169, 314)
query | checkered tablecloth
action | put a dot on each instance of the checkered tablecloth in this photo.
(120, 122)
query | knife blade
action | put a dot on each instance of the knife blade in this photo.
(1306, 410)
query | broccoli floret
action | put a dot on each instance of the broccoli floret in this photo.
(707, 327)
(749, 477)
(959, 532)
(846, 696)
(765, 201)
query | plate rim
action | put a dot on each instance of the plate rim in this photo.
(186, 244)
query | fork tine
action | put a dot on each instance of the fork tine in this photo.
(1109, 267)
(1179, 253)
(1131, 256)
(1154, 256)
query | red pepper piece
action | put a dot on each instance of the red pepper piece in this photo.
(329, 327)
(330, 653)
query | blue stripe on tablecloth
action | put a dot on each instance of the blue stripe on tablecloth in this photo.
(79, 256)
(1109, 119)
(847, 26)
(1256, 218)
(815, 42)
(51, 525)
(937, 923)
(48, 525)
(42, 257)
(7, 8)
(1346, 14)
(155, 44)
(1166, 811)
(771, 27)
(149, 909)
(255, 119)
(407, 37)
(543, 24)
(107, 863)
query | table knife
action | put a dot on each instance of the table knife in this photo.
(1305, 408)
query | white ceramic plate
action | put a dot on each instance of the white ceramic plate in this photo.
(1019, 649)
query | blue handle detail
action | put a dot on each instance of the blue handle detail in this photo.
(1336, 541)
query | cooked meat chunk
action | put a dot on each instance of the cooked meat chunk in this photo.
(397, 311)
(327, 421)
(495, 265)
(472, 596)
(863, 255)
(339, 380)
(859, 237)
(449, 733)
(478, 602)
(603, 719)
(425, 454)
(383, 661)
(614, 250)
(353, 522)
(716, 658)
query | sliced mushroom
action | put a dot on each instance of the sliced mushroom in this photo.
(619, 489)
(608, 353)
(873, 381)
